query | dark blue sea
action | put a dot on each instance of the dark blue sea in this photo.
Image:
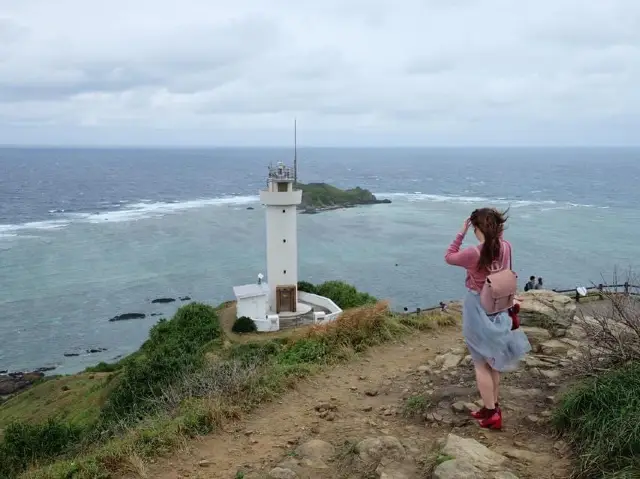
(86, 234)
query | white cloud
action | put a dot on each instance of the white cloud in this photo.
(351, 71)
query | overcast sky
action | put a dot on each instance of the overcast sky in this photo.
(359, 72)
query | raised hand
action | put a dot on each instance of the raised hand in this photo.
(465, 226)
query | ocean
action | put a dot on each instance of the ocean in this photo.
(87, 234)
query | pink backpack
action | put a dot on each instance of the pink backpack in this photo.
(499, 290)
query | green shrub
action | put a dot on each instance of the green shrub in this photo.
(344, 295)
(341, 293)
(255, 353)
(305, 351)
(174, 347)
(196, 418)
(601, 418)
(193, 326)
(244, 324)
(23, 444)
(306, 287)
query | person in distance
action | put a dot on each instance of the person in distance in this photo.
(531, 284)
(494, 340)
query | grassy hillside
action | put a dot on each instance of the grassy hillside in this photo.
(186, 380)
(76, 399)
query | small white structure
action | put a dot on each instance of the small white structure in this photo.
(276, 300)
(253, 300)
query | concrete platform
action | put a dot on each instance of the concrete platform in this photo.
(302, 309)
(303, 315)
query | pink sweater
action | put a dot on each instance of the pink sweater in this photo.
(468, 258)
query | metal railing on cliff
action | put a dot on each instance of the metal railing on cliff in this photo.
(599, 290)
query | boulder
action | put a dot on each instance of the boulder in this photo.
(127, 316)
(374, 449)
(282, 473)
(456, 469)
(546, 309)
(470, 460)
(449, 360)
(471, 451)
(534, 362)
(316, 449)
(536, 336)
(397, 470)
(9, 385)
(554, 347)
(16, 382)
(163, 300)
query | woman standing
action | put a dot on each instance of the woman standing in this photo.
(493, 345)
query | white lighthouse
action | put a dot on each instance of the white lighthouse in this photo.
(277, 300)
(281, 200)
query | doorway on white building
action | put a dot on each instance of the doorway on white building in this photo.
(286, 299)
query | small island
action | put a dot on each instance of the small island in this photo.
(317, 197)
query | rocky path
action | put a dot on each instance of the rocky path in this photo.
(401, 411)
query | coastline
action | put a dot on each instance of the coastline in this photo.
(312, 210)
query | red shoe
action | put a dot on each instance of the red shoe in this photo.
(483, 413)
(493, 422)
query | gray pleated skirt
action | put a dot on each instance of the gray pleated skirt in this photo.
(489, 338)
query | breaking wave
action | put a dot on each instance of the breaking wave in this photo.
(117, 212)
(513, 203)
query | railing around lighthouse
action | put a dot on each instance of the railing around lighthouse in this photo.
(280, 172)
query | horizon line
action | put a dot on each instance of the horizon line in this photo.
(283, 146)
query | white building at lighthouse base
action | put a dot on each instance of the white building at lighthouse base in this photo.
(252, 301)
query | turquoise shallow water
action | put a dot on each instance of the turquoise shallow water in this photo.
(66, 273)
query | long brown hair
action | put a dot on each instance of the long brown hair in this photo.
(490, 222)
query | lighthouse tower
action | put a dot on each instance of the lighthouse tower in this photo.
(276, 303)
(281, 200)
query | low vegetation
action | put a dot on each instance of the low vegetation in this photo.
(182, 383)
(341, 293)
(600, 415)
(244, 324)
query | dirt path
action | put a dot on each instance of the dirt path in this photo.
(366, 398)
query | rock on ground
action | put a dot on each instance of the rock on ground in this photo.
(536, 336)
(456, 469)
(316, 449)
(470, 460)
(282, 473)
(546, 309)
(376, 448)
(472, 451)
